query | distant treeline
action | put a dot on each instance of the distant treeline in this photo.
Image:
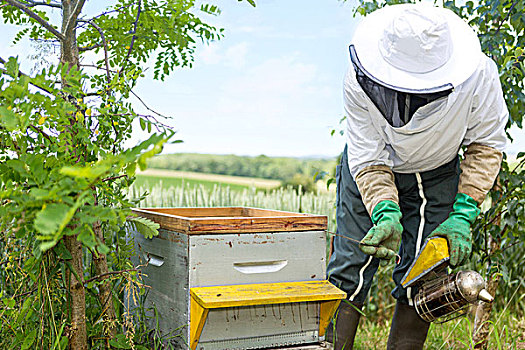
(261, 166)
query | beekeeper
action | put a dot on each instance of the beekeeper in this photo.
(417, 90)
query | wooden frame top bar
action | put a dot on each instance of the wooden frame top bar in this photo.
(231, 220)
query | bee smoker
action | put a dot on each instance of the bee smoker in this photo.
(442, 297)
(447, 297)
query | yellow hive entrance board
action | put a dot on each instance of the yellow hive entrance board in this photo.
(205, 298)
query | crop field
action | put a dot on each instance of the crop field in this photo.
(173, 178)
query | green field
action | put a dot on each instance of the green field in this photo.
(150, 181)
(170, 178)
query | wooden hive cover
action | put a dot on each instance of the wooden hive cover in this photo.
(231, 220)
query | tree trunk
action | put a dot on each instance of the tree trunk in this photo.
(105, 295)
(69, 56)
(78, 333)
(68, 46)
(481, 331)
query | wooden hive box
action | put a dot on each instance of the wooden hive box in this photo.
(236, 277)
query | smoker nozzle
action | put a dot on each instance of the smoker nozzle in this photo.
(485, 296)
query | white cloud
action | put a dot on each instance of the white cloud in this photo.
(277, 107)
(209, 54)
(232, 56)
(235, 56)
(279, 94)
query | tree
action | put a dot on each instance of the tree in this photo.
(64, 171)
(499, 233)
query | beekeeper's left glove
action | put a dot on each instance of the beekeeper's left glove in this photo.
(456, 229)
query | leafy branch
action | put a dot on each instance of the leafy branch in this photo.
(36, 17)
(104, 45)
(30, 3)
(134, 32)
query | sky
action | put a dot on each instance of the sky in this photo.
(272, 85)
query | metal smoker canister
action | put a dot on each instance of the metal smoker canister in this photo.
(442, 297)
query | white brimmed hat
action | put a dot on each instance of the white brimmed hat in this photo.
(415, 47)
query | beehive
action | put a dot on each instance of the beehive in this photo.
(236, 278)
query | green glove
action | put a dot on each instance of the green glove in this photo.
(456, 229)
(382, 240)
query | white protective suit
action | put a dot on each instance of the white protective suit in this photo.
(474, 112)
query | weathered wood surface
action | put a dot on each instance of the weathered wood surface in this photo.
(231, 220)
(234, 245)
(265, 293)
(167, 284)
(260, 325)
(256, 258)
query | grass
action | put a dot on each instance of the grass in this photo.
(507, 332)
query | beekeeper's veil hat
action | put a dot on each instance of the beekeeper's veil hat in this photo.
(416, 48)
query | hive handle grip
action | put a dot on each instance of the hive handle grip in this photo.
(260, 266)
(154, 260)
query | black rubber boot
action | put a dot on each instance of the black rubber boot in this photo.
(346, 320)
(408, 330)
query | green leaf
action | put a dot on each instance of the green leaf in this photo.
(12, 67)
(62, 252)
(144, 226)
(10, 303)
(39, 193)
(329, 182)
(26, 306)
(103, 249)
(18, 166)
(63, 342)
(47, 245)
(36, 167)
(52, 220)
(29, 340)
(120, 342)
(49, 219)
(59, 340)
(87, 172)
(130, 169)
(8, 119)
(87, 237)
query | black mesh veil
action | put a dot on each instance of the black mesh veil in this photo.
(396, 106)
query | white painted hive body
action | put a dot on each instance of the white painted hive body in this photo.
(201, 247)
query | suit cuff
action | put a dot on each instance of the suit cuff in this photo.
(376, 184)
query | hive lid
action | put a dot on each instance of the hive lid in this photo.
(231, 220)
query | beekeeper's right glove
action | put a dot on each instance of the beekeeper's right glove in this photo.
(379, 195)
